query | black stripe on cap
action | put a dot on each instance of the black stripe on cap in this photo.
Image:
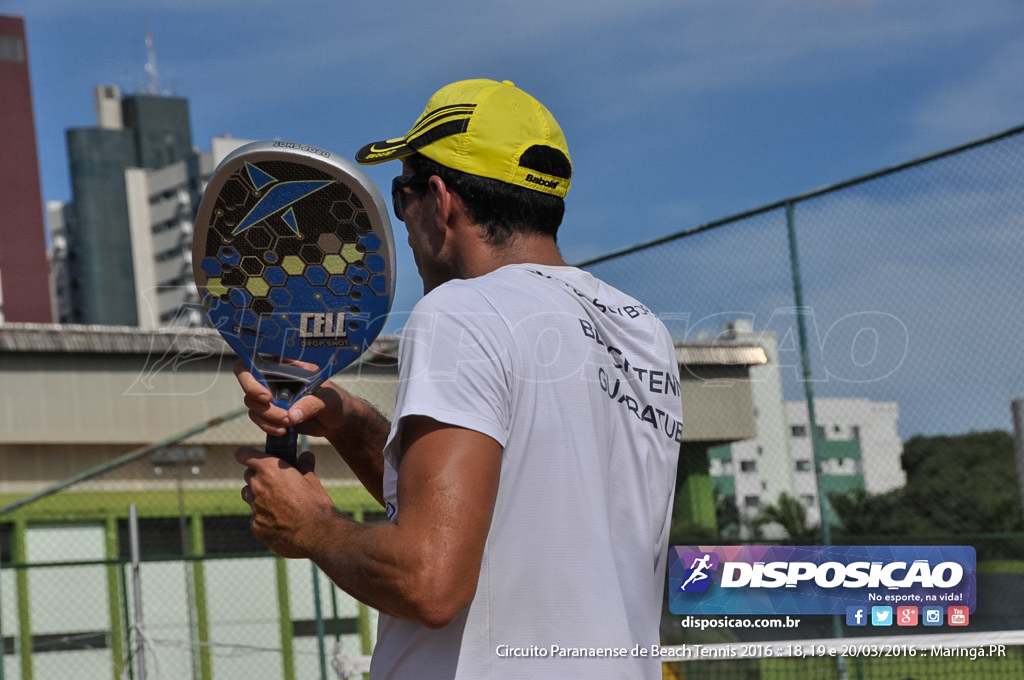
(452, 127)
(434, 116)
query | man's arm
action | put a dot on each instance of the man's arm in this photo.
(424, 566)
(356, 430)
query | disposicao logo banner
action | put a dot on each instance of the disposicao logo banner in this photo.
(756, 579)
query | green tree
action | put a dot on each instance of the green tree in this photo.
(790, 514)
(962, 484)
(865, 514)
(728, 517)
(965, 483)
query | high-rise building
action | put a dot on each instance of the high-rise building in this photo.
(141, 131)
(136, 184)
(58, 214)
(24, 277)
(858, 440)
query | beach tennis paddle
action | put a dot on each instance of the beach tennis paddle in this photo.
(294, 259)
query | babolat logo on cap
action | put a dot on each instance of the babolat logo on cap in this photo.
(534, 179)
(817, 579)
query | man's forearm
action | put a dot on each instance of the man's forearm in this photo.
(423, 565)
(395, 573)
(361, 444)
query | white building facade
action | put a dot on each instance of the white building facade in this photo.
(858, 440)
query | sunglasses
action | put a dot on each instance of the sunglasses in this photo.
(399, 195)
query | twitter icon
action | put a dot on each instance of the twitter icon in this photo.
(881, 616)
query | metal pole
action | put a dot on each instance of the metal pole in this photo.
(1017, 407)
(287, 628)
(114, 596)
(193, 642)
(197, 541)
(805, 360)
(133, 537)
(321, 647)
(320, 629)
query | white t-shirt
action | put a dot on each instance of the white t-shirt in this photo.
(579, 384)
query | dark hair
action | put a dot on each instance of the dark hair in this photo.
(506, 209)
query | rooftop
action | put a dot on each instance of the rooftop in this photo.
(95, 339)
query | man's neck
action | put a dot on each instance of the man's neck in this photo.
(523, 249)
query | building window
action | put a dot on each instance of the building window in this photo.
(798, 430)
(12, 48)
(803, 466)
(807, 499)
(748, 466)
(169, 254)
(752, 501)
(167, 317)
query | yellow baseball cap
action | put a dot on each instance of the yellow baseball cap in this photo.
(480, 127)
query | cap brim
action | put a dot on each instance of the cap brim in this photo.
(379, 152)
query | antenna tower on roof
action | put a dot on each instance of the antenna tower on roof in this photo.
(154, 77)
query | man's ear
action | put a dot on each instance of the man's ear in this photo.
(447, 204)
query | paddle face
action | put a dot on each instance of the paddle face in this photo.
(293, 257)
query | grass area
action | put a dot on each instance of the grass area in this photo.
(1001, 567)
(84, 506)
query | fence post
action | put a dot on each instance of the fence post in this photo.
(805, 362)
(137, 625)
(318, 608)
(1017, 409)
(284, 613)
(117, 639)
(812, 424)
(19, 555)
(197, 550)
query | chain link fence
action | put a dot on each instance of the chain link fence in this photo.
(204, 598)
(894, 300)
(894, 304)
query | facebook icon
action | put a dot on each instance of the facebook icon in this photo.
(856, 616)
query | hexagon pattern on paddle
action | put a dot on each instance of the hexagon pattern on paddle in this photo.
(293, 256)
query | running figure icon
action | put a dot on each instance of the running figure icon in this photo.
(697, 570)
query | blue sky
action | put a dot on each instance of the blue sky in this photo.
(677, 112)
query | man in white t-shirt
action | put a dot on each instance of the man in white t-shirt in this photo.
(529, 471)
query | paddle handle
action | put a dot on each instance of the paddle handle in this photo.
(284, 446)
